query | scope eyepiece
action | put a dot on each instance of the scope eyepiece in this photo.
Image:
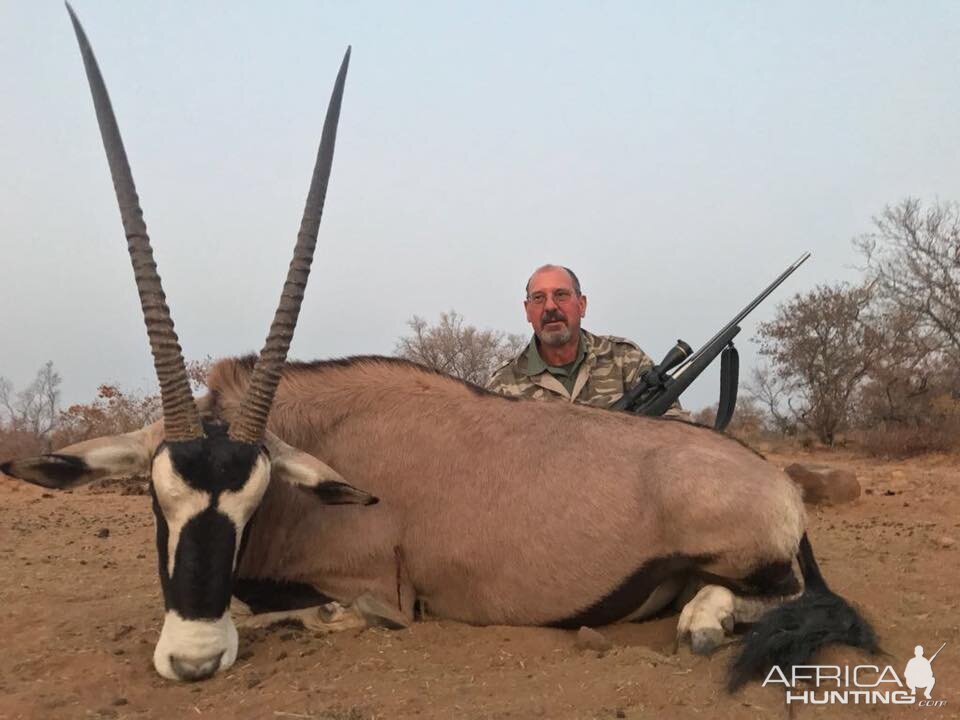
(677, 354)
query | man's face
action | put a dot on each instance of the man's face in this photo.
(553, 307)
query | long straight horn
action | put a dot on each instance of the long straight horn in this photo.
(266, 374)
(180, 418)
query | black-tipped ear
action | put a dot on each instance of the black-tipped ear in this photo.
(57, 472)
(331, 492)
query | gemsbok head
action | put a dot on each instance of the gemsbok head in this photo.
(207, 478)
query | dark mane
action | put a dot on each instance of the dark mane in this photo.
(247, 362)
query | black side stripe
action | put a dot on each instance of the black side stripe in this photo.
(263, 595)
(633, 591)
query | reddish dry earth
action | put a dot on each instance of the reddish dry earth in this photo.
(79, 614)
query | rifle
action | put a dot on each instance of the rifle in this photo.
(658, 387)
(934, 656)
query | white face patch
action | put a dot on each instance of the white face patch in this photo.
(239, 505)
(195, 644)
(178, 501)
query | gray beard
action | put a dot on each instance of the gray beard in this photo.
(556, 338)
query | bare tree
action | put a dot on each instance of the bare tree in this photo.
(749, 421)
(768, 392)
(822, 346)
(34, 409)
(197, 371)
(113, 411)
(913, 255)
(458, 349)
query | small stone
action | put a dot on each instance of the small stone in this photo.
(823, 485)
(588, 639)
(621, 713)
(281, 655)
(253, 681)
(946, 542)
(103, 532)
(122, 632)
(120, 701)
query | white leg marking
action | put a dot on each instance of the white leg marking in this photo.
(366, 611)
(710, 616)
(707, 619)
(664, 594)
(329, 618)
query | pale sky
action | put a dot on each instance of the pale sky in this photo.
(677, 155)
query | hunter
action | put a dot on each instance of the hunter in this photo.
(564, 361)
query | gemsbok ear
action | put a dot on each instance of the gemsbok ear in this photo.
(114, 456)
(304, 470)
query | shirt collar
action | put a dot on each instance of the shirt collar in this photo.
(536, 363)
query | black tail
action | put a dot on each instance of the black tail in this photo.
(791, 633)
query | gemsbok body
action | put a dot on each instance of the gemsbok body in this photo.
(473, 507)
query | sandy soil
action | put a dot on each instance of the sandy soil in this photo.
(80, 610)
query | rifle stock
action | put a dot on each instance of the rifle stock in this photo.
(676, 384)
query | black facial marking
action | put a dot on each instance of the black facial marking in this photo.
(163, 538)
(203, 566)
(264, 595)
(214, 463)
(633, 591)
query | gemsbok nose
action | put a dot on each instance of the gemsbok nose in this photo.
(190, 669)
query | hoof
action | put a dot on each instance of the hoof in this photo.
(707, 619)
(703, 641)
(379, 614)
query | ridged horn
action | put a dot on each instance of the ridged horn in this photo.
(266, 374)
(181, 420)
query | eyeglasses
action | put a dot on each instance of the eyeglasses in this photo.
(560, 297)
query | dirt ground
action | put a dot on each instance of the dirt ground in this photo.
(80, 610)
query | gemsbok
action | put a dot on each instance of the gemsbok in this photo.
(474, 507)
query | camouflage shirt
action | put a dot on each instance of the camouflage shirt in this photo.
(609, 365)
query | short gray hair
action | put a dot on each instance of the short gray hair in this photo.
(571, 273)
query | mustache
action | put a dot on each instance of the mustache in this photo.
(552, 316)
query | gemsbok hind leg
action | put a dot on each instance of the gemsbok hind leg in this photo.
(710, 616)
(707, 621)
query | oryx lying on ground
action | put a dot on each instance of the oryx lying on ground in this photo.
(491, 510)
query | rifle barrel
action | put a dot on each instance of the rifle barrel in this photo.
(746, 311)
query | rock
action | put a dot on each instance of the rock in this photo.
(823, 485)
(588, 639)
(103, 532)
(946, 542)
